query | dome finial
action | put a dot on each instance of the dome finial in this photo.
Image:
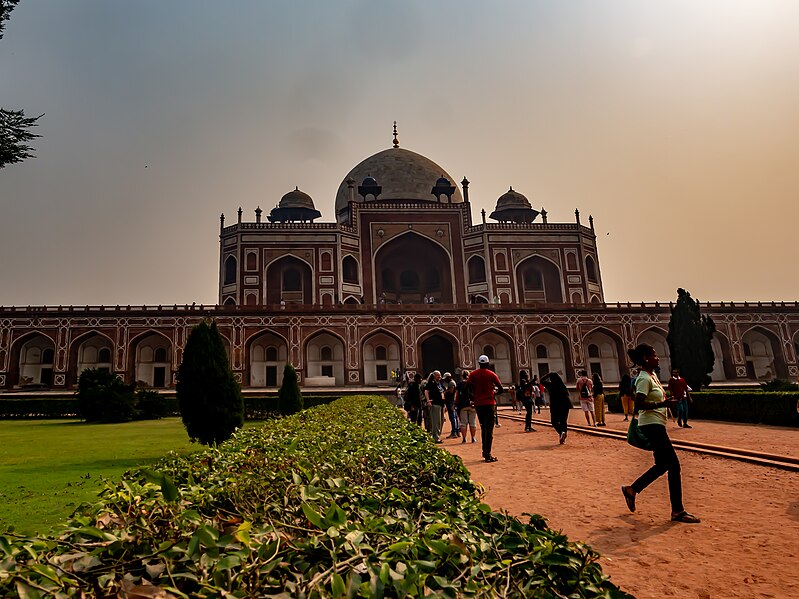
(396, 139)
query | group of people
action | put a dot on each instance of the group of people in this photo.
(472, 399)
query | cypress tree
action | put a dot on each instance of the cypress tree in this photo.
(289, 398)
(689, 339)
(210, 399)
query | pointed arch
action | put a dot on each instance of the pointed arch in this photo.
(26, 365)
(766, 359)
(324, 353)
(265, 354)
(377, 365)
(658, 338)
(556, 355)
(80, 359)
(289, 279)
(231, 268)
(437, 349)
(539, 279)
(503, 348)
(142, 362)
(611, 361)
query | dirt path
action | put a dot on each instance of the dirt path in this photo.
(746, 546)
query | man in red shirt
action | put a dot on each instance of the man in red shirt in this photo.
(485, 381)
(680, 391)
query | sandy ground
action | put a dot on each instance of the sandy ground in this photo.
(747, 544)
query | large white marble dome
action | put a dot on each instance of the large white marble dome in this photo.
(402, 174)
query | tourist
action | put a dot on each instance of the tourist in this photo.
(599, 399)
(585, 393)
(559, 404)
(651, 403)
(627, 396)
(464, 402)
(680, 391)
(434, 394)
(538, 394)
(413, 399)
(514, 400)
(485, 382)
(449, 402)
(526, 394)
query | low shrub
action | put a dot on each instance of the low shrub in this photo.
(104, 397)
(737, 405)
(343, 500)
(151, 405)
(779, 385)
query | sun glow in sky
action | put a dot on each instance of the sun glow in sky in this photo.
(673, 123)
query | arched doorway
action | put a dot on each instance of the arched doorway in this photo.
(437, 353)
(94, 351)
(602, 356)
(268, 356)
(36, 358)
(412, 269)
(547, 354)
(153, 366)
(657, 340)
(289, 280)
(381, 355)
(498, 350)
(324, 360)
(539, 280)
(763, 357)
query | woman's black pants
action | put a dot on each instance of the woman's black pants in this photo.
(665, 461)
(528, 417)
(559, 419)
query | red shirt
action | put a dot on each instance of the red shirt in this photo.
(484, 380)
(678, 388)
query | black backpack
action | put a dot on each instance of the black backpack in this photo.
(466, 398)
(584, 391)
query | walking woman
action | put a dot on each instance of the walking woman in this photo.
(525, 393)
(559, 403)
(599, 399)
(627, 396)
(651, 403)
(413, 400)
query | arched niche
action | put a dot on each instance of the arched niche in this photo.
(590, 269)
(381, 355)
(324, 358)
(438, 352)
(548, 354)
(349, 270)
(539, 280)
(230, 270)
(499, 351)
(152, 360)
(268, 354)
(36, 361)
(95, 351)
(477, 270)
(764, 360)
(289, 280)
(723, 367)
(605, 358)
(413, 268)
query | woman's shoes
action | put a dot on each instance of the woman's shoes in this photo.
(491, 459)
(629, 497)
(562, 437)
(685, 517)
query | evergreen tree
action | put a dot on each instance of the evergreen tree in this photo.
(210, 398)
(689, 339)
(289, 398)
(15, 127)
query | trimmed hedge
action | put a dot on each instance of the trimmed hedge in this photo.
(255, 408)
(737, 405)
(343, 500)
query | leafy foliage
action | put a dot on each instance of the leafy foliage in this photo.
(104, 397)
(343, 500)
(779, 385)
(689, 339)
(15, 127)
(289, 397)
(210, 398)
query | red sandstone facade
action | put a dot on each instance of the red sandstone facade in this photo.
(402, 280)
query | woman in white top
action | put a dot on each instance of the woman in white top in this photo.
(651, 402)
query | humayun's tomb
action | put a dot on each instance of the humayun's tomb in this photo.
(404, 279)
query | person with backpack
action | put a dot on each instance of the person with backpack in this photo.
(464, 403)
(585, 391)
(486, 384)
(526, 393)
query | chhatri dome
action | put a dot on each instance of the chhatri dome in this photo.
(513, 206)
(400, 174)
(295, 205)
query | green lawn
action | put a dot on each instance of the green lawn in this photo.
(49, 467)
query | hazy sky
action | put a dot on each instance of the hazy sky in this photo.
(674, 123)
